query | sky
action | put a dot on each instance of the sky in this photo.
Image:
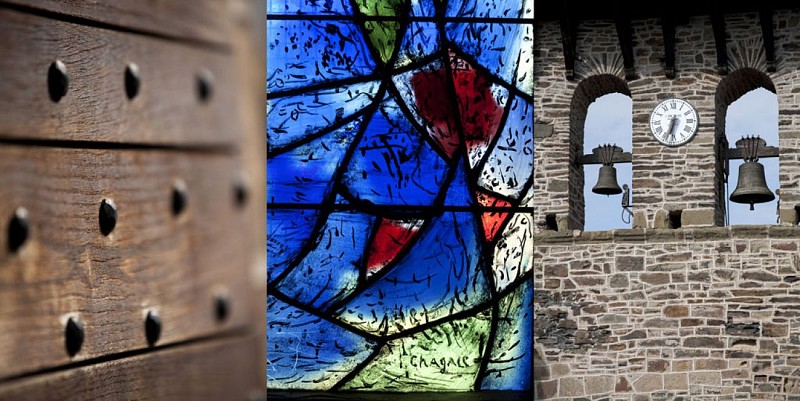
(609, 120)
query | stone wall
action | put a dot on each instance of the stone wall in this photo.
(688, 314)
(701, 312)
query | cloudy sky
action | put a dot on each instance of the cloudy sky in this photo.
(609, 121)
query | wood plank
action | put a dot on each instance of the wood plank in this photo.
(166, 111)
(152, 259)
(207, 21)
(569, 32)
(222, 369)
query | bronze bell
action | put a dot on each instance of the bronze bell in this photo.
(607, 177)
(752, 186)
(607, 182)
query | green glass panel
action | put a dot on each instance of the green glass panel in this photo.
(445, 357)
(509, 361)
(382, 34)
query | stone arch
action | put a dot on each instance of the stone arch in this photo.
(733, 86)
(585, 94)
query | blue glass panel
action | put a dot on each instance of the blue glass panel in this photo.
(300, 53)
(495, 47)
(309, 7)
(293, 118)
(510, 165)
(304, 174)
(423, 8)
(510, 360)
(421, 39)
(287, 232)
(330, 271)
(458, 193)
(393, 164)
(524, 80)
(486, 9)
(441, 275)
(307, 352)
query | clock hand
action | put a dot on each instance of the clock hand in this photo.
(672, 127)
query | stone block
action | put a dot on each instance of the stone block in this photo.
(710, 364)
(639, 219)
(618, 280)
(683, 365)
(556, 270)
(701, 217)
(655, 278)
(657, 366)
(676, 311)
(705, 378)
(571, 387)
(788, 217)
(703, 342)
(622, 385)
(648, 383)
(661, 219)
(599, 384)
(559, 369)
(775, 330)
(713, 311)
(629, 263)
(676, 381)
(547, 389)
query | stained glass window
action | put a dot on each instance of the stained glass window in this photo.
(399, 195)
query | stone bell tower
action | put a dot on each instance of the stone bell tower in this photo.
(680, 306)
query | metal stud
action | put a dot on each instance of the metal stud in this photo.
(133, 80)
(108, 216)
(57, 80)
(152, 327)
(205, 85)
(18, 229)
(73, 336)
(179, 197)
(221, 308)
(240, 193)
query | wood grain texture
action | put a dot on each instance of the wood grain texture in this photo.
(219, 370)
(166, 111)
(151, 260)
(193, 20)
(249, 52)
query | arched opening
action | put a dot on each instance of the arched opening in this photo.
(609, 120)
(600, 113)
(746, 105)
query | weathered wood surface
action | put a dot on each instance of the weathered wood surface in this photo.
(167, 109)
(218, 370)
(151, 260)
(191, 20)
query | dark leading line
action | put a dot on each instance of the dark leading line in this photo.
(471, 184)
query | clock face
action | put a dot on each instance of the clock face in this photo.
(673, 122)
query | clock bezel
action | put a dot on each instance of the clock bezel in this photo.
(691, 135)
